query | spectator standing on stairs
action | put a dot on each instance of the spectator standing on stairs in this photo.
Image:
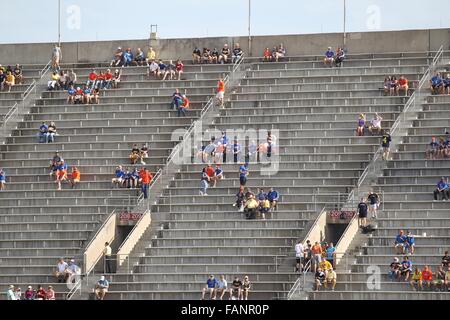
(107, 252)
(374, 202)
(316, 253)
(362, 213)
(56, 57)
(299, 256)
(386, 144)
(220, 91)
(146, 178)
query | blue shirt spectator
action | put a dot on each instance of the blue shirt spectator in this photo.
(329, 53)
(442, 185)
(211, 282)
(243, 170)
(436, 80)
(261, 195)
(273, 195)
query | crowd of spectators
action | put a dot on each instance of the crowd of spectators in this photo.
(277, 53)
(334, 58)
(226, 55)
(438, 149)
(373, 126)
(440, 84)
(40, 293)
(10, 76)
(132, 179)
(392, 86)
(217, 288)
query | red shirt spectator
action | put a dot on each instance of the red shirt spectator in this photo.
(146, 176)
(179, 66)
(108, 76)
(101, 76)
(92, 76)
(427, 275)
(221, 86)
(210, 171)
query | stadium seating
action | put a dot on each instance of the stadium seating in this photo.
(315, 111)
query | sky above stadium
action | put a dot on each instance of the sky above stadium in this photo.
(89, 20)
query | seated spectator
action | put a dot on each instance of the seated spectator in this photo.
(50, 295)
(108, 79)
(53, 84)
(75, 177)
(169, 71)
(211, 284)
(218, 175)
(139, 58)
(280, 53)
(240, 199)
(246, 286)
(127, 58)
(393, 86)
(264, 207)
(237, 53)
(72, 78)
(406, 268)
(437, 85)
(143, 153)
(439, 279)
(196, 56)
(40, 293)
(118, 58)
(225, 54)
(273, 196)
(339, 57)
(410, 243)
(135, 154)
(61, 272)
(375, 124)
(133, 179)
(445, 260)
(119, 176)
(51, 132)
(92, 79)
(319, 278)
(387, 85)
(250, 208)
(86, 94)
(427, 277)
(63, 80)
(2, 80)
(18, 293)
(101, 288)
(361, 124)
(179, 67)
(177, 100)
(443, 148)
(153, 69)
(2, 179)
(400, 242)
(416, 280)
(18, 75)
(79, 96)
(10, 81)
(261, 195)
(447, 279)
(442, 189)
(235, 288)
(183, 106)
(116, 78)
(402, 85)
(43, 129)
(100, 80)
(206, 56)
(54, 163)
(162, 68)
(95, 97)
(29, 293)
(329, 57)
(394, 272)
(71, 94)
(221, 287)
(215, 56)
(330, 279)
(151, 55)
(267, 55)
(446, 82)
(61, 174)
(325, 265)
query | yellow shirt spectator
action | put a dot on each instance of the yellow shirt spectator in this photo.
(10, 78)
(325, 265)
(266, 204)
(55, 77)
(251, 204)
(151, 54)
(331, 275)
(417, 276)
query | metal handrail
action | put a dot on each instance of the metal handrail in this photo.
(296, 287)
(45, 69)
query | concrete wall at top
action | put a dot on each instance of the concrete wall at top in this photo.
(357, 42)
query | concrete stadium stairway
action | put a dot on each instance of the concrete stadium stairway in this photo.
(39, 224)
(407, 183)
(315, 110)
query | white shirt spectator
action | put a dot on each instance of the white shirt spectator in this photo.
(222, 284)
(62, 266)
(299, 251)
(10, 294)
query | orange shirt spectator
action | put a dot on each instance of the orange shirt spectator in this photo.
(427, 275)
(316, 249)
(221, 86)
(76, 174)
(210, 171)
(146, 177)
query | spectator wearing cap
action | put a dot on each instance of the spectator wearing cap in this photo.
(101, 288)
(329, 57)
(196, 55)
(442, 189)
(394, 269)
(18, 294)
(118, 58)
(50, 294)
(10, 293)
(29, 293)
